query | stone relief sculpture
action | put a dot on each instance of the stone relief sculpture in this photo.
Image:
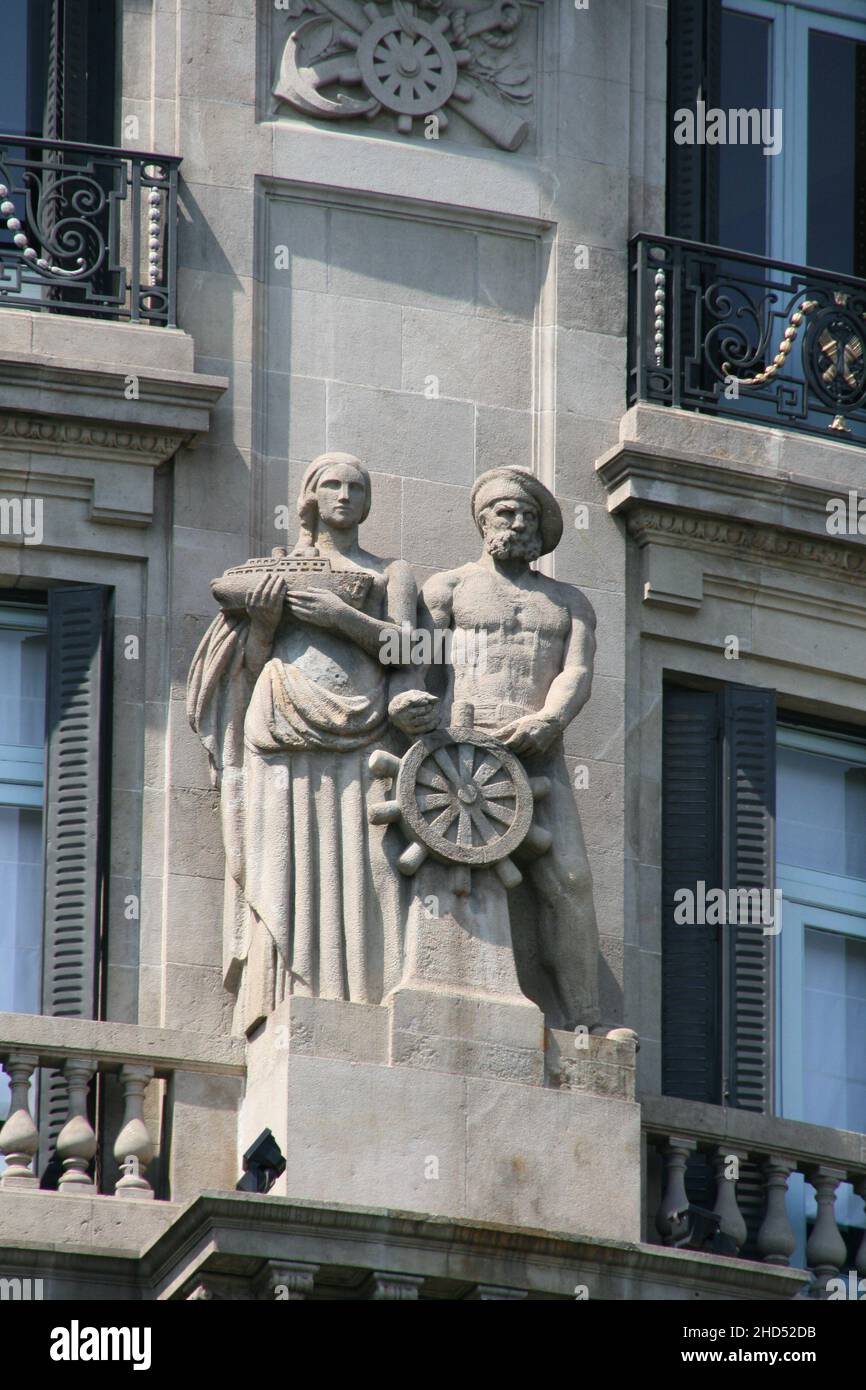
(378, 833)
(288, 695)
(492, 788)
(414, 62)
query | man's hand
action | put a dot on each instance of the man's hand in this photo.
(265, 604)
(414, 712)
(321, 607)
(530, 734)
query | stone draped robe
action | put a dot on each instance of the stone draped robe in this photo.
(314, 902)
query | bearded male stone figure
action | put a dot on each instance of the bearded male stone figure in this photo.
(537, 638)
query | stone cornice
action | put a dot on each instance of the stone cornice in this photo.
(216, 1228)
(49, 435)
(834, 558)
(66, 425)
(690, 486)
(634, 472)
(157, 1250)
(143, 403)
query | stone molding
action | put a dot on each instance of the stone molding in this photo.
(168, 401)
(164, 1252)
(165, 1049)
(52, 435)
(635, 472)
(646, 524)
(79, 416)
(682, 503)
(454, 1258)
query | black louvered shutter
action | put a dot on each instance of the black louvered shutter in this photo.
(750, 813)
(76, 790)
(694, 53)
(77, 39)
(691, 853)
(74, 79)
(718, 825)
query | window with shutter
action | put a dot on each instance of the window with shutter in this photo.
(800, 64)
(749, 795)
(718, 815)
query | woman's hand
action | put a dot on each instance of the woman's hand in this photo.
(265, 604)
(414, 712)
(321, 607)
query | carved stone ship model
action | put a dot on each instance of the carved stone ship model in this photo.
(301, 570)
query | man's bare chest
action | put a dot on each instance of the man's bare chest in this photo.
(494, 606)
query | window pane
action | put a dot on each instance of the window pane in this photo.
(22, 687)
(821, 813)
(23, 54)
(744, 169)
(835, 1058)
(20, 918)
(835, 193)
(13, 68)
(20, 909)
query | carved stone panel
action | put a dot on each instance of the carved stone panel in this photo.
(464, 71)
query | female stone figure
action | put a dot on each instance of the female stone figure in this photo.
(289, 697)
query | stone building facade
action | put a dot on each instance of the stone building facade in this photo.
(443, 239)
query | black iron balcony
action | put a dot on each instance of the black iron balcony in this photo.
(736, 335)
(86, 229)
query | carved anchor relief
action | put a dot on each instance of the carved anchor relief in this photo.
(407, 65)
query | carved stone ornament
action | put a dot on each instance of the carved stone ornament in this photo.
(303, 722)
(461, 776)
(289, 698)
(646, 524)
(298, 572)
(413, 61)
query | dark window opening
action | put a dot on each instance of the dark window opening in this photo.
(836, 180)
(744, 169)
(57, 70)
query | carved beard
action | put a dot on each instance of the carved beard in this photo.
(502, 545)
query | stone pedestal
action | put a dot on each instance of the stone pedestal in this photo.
(373, 1107)
(459, 1007)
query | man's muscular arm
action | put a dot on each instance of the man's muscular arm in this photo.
(571, 689)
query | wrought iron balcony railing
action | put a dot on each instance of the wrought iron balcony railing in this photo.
(86, 229)
(737, 335)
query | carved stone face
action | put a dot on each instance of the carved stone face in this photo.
(340, 496)
(510, 528)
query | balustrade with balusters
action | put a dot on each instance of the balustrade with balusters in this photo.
(775, 1149)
